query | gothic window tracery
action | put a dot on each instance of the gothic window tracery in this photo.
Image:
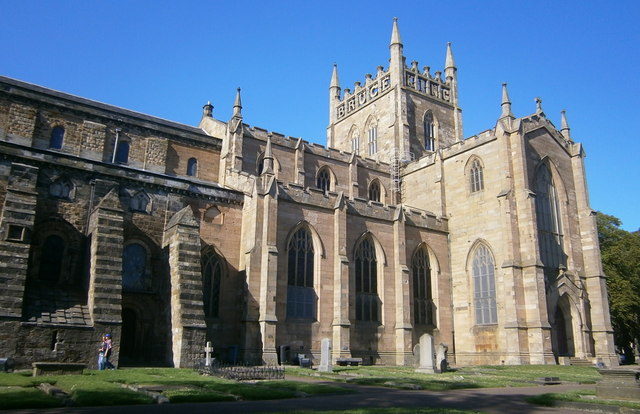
(429, 132)
(57, 137)
(374, 191)
(366, 278)
(476, 176)
(324, 179)
(549, 224)
(484, 285)
(211, 278)
(192, 167)
(301, 297)
(422, 299)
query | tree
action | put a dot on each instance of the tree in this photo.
(621, 262)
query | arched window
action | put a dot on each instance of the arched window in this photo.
(211, 278)
(429, 132)
(484, 284)
(374, 191)
(324, 179)
(301, 297)
(51, 257)
(57, 137)
(477, 179)
(367, 301)
(422, 300)
(373, 140)
(355, 143)
(192, 167)
(122, 152)
(134, 268)
(549, 225)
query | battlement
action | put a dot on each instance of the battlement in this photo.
(426, 84)
(363, 95)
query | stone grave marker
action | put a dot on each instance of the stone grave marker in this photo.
(325, 356)
(426, 355)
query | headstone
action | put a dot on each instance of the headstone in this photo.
(416, 355)
(619, 384)
(441, 358)
(426, 355)
(325, 356)
(208, 350)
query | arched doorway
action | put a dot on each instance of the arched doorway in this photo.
(563, 344)
(128, 352)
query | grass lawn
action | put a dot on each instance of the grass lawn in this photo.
(470, 377)
(97, 388)
(94, 388)
(582, 396)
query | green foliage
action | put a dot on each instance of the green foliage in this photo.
(621, 263)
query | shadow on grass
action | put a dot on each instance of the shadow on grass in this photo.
(14, 398)
(99, 397)
(409, 383)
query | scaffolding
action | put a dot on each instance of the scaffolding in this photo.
(398, 160)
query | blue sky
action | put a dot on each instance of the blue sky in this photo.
(168, 58)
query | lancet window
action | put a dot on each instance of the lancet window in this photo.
(422, 299)
(373, 140)
(476, 176)
(301, 297)
(324, 179)
(374, 191)
(549, 224)
(429, 132)
(484, 284)
(366, 267)
(192, 167)
(211, 265)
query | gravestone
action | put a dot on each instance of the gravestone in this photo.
(426, 355)
(441, 358)
(325, 356)
(208, 350)
(619, 384)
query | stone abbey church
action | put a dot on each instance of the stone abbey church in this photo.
(168, 235)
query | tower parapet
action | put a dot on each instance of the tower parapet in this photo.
(363, 95)
(432, 86)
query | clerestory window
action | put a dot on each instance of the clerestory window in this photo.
(476, 176)
(57, 137)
